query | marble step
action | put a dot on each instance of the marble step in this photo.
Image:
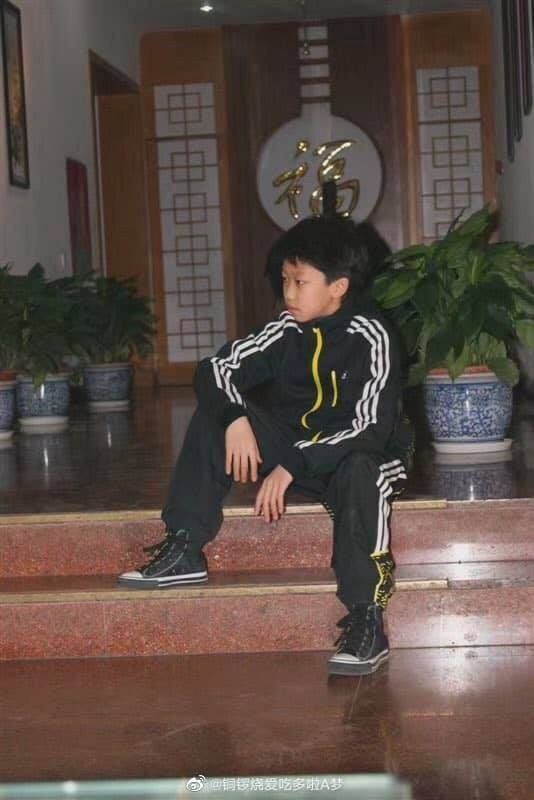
(107, 543)
(435, 605)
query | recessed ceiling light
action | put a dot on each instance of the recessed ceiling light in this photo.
(206, 7)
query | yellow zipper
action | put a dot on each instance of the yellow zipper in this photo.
(334, 387)
(316, 379)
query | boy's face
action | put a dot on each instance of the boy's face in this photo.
(307, 295)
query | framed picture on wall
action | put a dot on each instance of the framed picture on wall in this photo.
(17, 134)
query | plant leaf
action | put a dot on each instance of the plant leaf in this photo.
(415, 251)
(411, 331)
(439, 346)
(525, 331)
(425, 295)
(481, 222)
(458, 365)
(398, 290)
(505, 369)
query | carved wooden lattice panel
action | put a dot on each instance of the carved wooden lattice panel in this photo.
(190, 216)
(450, 146)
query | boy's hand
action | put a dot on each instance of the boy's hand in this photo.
(242, 454)
(270, 498)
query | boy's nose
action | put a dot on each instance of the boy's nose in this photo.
(288, 294)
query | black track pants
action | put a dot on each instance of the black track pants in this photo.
(356, 495)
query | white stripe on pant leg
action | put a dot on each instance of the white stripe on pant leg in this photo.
(386, 479)
(384, 511)
(390, 464)
(383, 485)
(380, 521)
(390, 473)
(384, 545)
(392, 467)
(391, 470)
(394, 474)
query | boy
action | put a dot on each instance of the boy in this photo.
(332, 429)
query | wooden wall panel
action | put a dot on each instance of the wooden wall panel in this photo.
(452, 40)
(366, 60)
(261, 68)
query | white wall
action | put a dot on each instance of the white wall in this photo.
(57, 35)
(516, 185)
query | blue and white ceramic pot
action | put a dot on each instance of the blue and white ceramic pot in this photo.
(108, 386)
(7, 409)
(472, 413)
(44, 409)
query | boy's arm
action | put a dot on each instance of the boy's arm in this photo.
(239, 366)
(375, 410)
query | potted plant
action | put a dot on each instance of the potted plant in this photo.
(8, 355)
(39, 342)
(462, 304)
(118, 326)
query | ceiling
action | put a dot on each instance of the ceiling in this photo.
(161, 14)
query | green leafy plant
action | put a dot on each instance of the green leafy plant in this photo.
(461, 301)
(111, 322)
(33, 323)
(9, 324)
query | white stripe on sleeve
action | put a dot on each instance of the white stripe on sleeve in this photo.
(242, 349)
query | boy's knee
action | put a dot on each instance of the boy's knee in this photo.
(356, 464)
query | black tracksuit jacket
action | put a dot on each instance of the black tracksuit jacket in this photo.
(335, 382)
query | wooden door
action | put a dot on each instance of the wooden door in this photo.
(124, 213)
(123, 197)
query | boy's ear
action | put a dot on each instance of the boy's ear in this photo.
(340, 287)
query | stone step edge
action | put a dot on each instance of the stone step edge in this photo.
(197, 592)
(243, 590)
(258, 584)
(141, 515)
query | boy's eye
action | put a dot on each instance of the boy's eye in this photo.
(298, 281)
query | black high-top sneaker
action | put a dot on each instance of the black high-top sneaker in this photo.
(173, 563)
(362, 645)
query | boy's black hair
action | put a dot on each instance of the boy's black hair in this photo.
(336, 245)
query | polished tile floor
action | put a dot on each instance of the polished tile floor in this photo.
(457, 724)
(118, 461)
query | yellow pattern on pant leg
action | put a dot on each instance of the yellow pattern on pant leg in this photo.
(386, 585)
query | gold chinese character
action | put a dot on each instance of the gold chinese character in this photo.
(332, 168)
(294, 188)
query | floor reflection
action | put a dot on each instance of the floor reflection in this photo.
(123, 461)
(455, 723)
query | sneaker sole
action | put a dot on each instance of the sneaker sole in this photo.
(163, 583)
(355, 668)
